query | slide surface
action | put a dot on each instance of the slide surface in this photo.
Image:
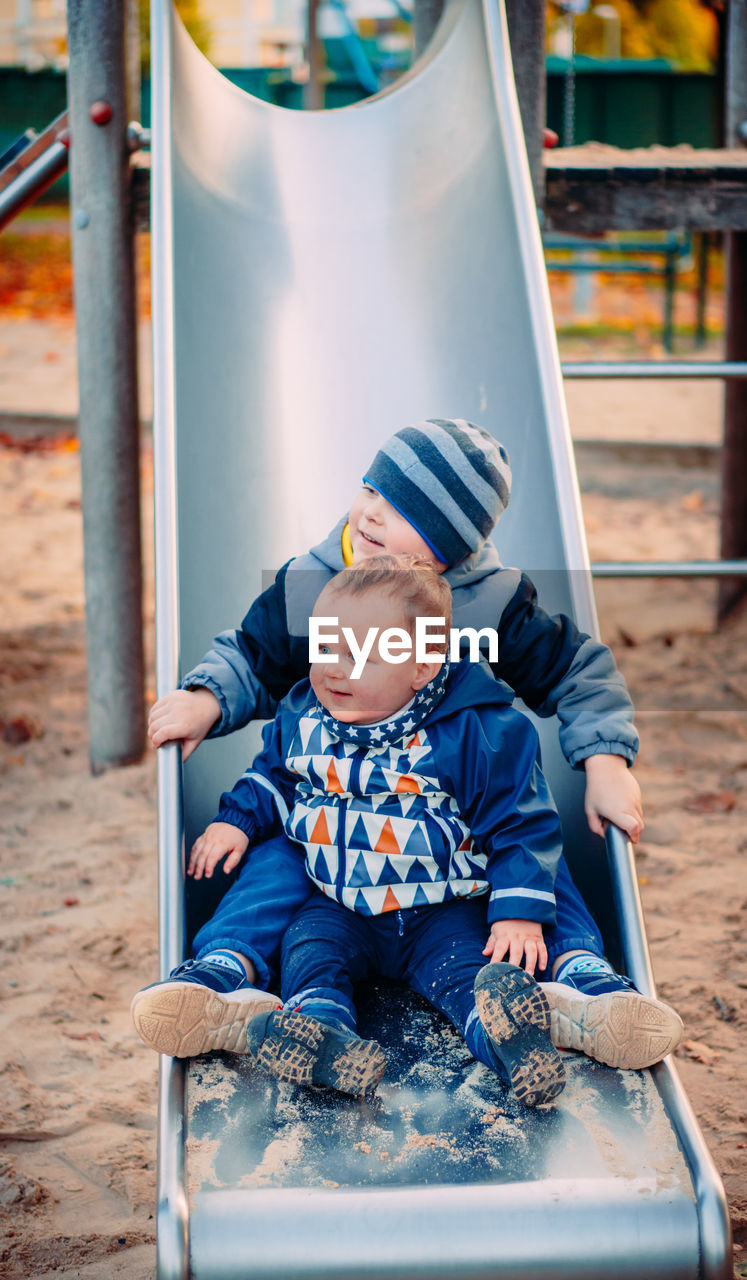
(321, 279)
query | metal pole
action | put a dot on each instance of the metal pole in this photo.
(526, 28)
(30, 182)
(313, 98)
(734, 450)
(25, 150)
(569, 88)
(655, 369)
(132, 60)
(670, 280)
(107, 377)
(172, 1216)
(701, 317)
(426, 15)
(669, 568)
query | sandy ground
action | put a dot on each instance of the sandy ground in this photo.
(77, 883)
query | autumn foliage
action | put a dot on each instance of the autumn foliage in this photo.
(685, 32)
(36, 276)
(36, 270)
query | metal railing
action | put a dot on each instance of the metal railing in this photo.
(39, 161)
(669, 568)
(33, 168)
(658, 253)
(604, 369)
(609, 369)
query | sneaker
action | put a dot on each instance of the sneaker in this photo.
(516, 1016)
(299, 1049)
(603, 1016)
(200, 1007)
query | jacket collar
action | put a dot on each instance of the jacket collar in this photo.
(400, 725)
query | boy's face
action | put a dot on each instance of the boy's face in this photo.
(377, 528)
(382, 688)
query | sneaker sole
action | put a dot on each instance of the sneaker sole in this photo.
(298, 1049)
(514, 1012)
(619, 1028)
(184, 1019)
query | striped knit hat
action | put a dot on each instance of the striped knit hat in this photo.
(449, 479)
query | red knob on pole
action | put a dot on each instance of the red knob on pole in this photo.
(100, 112)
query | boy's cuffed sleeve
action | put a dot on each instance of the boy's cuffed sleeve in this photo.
(226, 670)
(557, 669)
(505, 801)
(228, 812)
(260, 801)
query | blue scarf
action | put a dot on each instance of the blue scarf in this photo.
(403, 723)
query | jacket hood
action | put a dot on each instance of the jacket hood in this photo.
(471, 684)
(329, 550)
(477, 565)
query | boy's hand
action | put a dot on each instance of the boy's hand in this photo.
(219, 839)
(518, 939)
(612, 795)
(185, 716)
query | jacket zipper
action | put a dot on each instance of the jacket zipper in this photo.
(341, 821)
(355, 770)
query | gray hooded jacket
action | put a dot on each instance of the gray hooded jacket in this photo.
(555, 668)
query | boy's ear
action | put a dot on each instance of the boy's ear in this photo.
(425, 672)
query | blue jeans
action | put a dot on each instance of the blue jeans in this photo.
(272, 887)
(436, 950)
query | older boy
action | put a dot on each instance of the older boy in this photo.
(435, 489)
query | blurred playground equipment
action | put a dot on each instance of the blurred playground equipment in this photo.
(659, 255)
(627, 103)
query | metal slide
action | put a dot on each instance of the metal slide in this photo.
(321, 279)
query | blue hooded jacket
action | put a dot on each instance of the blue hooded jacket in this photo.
(442, 801)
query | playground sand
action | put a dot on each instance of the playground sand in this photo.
(78, 882)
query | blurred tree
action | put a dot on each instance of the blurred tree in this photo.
(685, 32)
(190, 13)
(635, 32)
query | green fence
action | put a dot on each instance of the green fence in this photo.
(635, 104)
(626, 103)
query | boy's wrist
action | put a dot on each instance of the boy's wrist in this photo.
(209, 708)
(202, 688)
(242, 821)
(605, 760)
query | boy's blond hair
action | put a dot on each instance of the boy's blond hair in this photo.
(409, 579)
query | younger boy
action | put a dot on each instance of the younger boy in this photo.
(415, 791)
(435, 489)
